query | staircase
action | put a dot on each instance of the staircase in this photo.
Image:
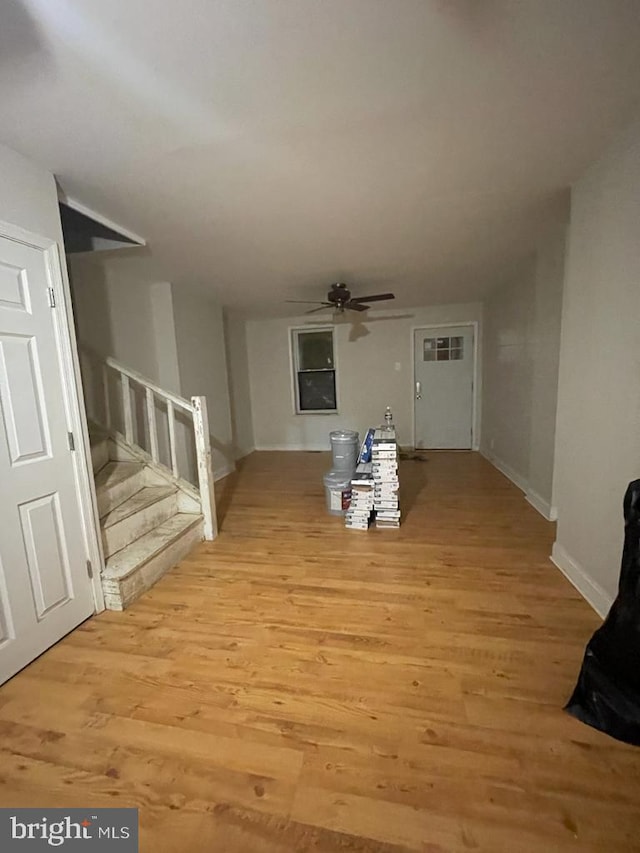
(150, 513)
(147, 523)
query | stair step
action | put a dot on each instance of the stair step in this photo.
(99, 450)
(143, 549)
(137, 515)
(135, 569)
(116, 482)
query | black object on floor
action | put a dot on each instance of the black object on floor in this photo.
(607, 695)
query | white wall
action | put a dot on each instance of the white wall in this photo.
(507, 371)
(598, 423)
(520, 370)
(170, 335)
(239, 386)
(28, 196)
(164, 334)
(116, 312)
(123, 311)
(367, 379)
(199, 335)
(545, 355)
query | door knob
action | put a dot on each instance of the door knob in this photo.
(418, 391)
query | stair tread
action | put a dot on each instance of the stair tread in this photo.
(116, 472)
(147, 496)
(152, 543)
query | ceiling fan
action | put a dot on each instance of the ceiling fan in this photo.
(339, 297)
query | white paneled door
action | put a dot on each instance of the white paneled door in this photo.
(45, 590)
(444, 365)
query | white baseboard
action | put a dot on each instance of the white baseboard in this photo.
(505, 469)
(295, 447)
(242, 452)
(591, 591)
(544, 508)
(223, 471)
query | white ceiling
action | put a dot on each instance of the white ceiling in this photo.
(266, 148)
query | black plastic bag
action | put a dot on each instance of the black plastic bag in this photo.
(607, 695)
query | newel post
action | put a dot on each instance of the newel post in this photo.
(205, 470)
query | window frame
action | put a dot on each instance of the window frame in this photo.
(449, 350)
(294, 334)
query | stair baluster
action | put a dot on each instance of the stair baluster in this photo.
(196, 409)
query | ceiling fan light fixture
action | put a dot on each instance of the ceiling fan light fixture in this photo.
(339, 298)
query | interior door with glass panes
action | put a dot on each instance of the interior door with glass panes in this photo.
(443, 387)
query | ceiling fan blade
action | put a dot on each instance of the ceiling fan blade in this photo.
(321, 308)
(379, 297)
(308, 302)
(355, 306)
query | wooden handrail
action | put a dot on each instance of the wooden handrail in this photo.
(180, 402)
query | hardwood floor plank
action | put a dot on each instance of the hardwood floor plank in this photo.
(295, 686)
(379, 820)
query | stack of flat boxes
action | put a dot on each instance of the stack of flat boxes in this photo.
(358, 516)
(384, 467)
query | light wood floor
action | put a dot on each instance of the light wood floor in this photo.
(297, 686)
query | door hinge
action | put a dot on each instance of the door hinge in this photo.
(90, 569)
(52, 297)
(71, 440)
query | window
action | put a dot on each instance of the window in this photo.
(443, 349)
(314, 370)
